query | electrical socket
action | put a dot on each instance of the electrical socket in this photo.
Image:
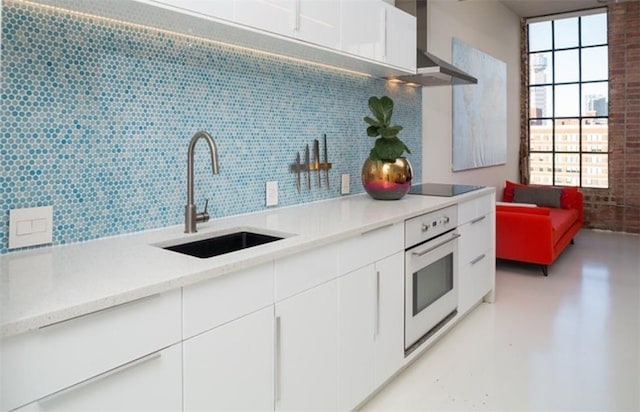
(345, 187)
(272, 194)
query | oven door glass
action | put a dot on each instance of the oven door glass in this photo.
(432, 282)
(431, 285)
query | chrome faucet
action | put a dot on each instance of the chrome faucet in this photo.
(191, 216)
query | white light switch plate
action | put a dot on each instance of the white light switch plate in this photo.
(345, 187)
(272, 193)
(30, 226)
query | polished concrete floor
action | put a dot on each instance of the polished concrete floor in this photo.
(567, 342)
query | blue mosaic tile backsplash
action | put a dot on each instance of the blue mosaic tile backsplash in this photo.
(97, 116)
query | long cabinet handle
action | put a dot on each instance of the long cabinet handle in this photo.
(478, 259)
(94, 379)
(277, 359)
(424, 252)
(478, 219)
(109, 308)
(377, 324)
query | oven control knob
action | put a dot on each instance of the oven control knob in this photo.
(446, 219)
(425, 227)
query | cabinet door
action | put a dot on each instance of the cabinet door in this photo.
(275, 16)
(363, 28)
(151, 383)
(318, 22)
(400, 38)
(307, 350)
(358, 316)
(231, 367)
(389, 337)
(476, 260)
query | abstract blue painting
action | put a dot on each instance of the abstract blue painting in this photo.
(479, 110)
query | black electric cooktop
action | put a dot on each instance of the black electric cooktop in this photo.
(441, 189)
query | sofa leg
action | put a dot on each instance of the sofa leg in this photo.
(572, 242)
(545, 270)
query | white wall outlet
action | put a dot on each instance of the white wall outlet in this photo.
(345, 186)
(272, 193)
(30, 226)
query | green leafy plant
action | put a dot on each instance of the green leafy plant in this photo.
(387, 147)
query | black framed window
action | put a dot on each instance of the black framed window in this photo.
(568, 100)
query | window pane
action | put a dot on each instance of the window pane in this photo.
(595, 99)
(595, 170)
(567, 135)
(595, 63)
(566, 66)
(540, 101)
(595, 135)
(540, 68)
(540, 36)
(594, 29)
(567, 169)
(565, 33)
(567, 101)
(540, 136)
(540, 168)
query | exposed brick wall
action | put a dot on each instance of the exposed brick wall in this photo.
(618, 208)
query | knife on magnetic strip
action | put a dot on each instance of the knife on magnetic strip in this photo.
(316, 159)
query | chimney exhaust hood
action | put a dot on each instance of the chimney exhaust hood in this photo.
(431, 70)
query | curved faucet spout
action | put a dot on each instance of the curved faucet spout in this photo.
(191, 217)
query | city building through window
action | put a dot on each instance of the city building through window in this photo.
(568, 100)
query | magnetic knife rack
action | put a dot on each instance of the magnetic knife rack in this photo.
(314, 165)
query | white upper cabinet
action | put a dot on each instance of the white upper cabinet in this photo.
(378, 31)
(366, 36)
(363, 28)
(274, 16)
(400, 38)
(318, 22)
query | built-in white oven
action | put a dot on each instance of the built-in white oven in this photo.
(431, 274)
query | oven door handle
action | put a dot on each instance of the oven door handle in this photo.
(454, 236)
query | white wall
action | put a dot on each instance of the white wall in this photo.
(488, 26)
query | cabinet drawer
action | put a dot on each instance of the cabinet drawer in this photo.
(214, 302)
(476, 279)
(154, 383)
(304, 271)
(476, 237)
(474, 208)
(38, 363)
(369, 247)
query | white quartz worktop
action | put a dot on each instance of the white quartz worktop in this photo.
(43, 286)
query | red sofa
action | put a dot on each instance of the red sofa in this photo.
(537, 234)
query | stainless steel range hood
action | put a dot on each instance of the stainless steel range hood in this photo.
(431, 70)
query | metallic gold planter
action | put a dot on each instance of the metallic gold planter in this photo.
(387, 180)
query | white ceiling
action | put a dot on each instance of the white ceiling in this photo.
(530, 8)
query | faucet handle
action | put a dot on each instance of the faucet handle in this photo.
(203, 216)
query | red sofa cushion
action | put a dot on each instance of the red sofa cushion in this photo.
(568, 194)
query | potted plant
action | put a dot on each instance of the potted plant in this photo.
(386, 174)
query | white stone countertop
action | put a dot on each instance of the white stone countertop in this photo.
(42, 286)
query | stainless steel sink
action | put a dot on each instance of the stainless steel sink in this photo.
(219, 245)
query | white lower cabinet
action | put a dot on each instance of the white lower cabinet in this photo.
(307, 350)
(151, 383)
(370, 313)
(231, 367)
(476, 252)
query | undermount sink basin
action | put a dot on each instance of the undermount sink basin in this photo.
(219, 245)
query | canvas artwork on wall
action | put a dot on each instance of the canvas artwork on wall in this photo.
(479, 110)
